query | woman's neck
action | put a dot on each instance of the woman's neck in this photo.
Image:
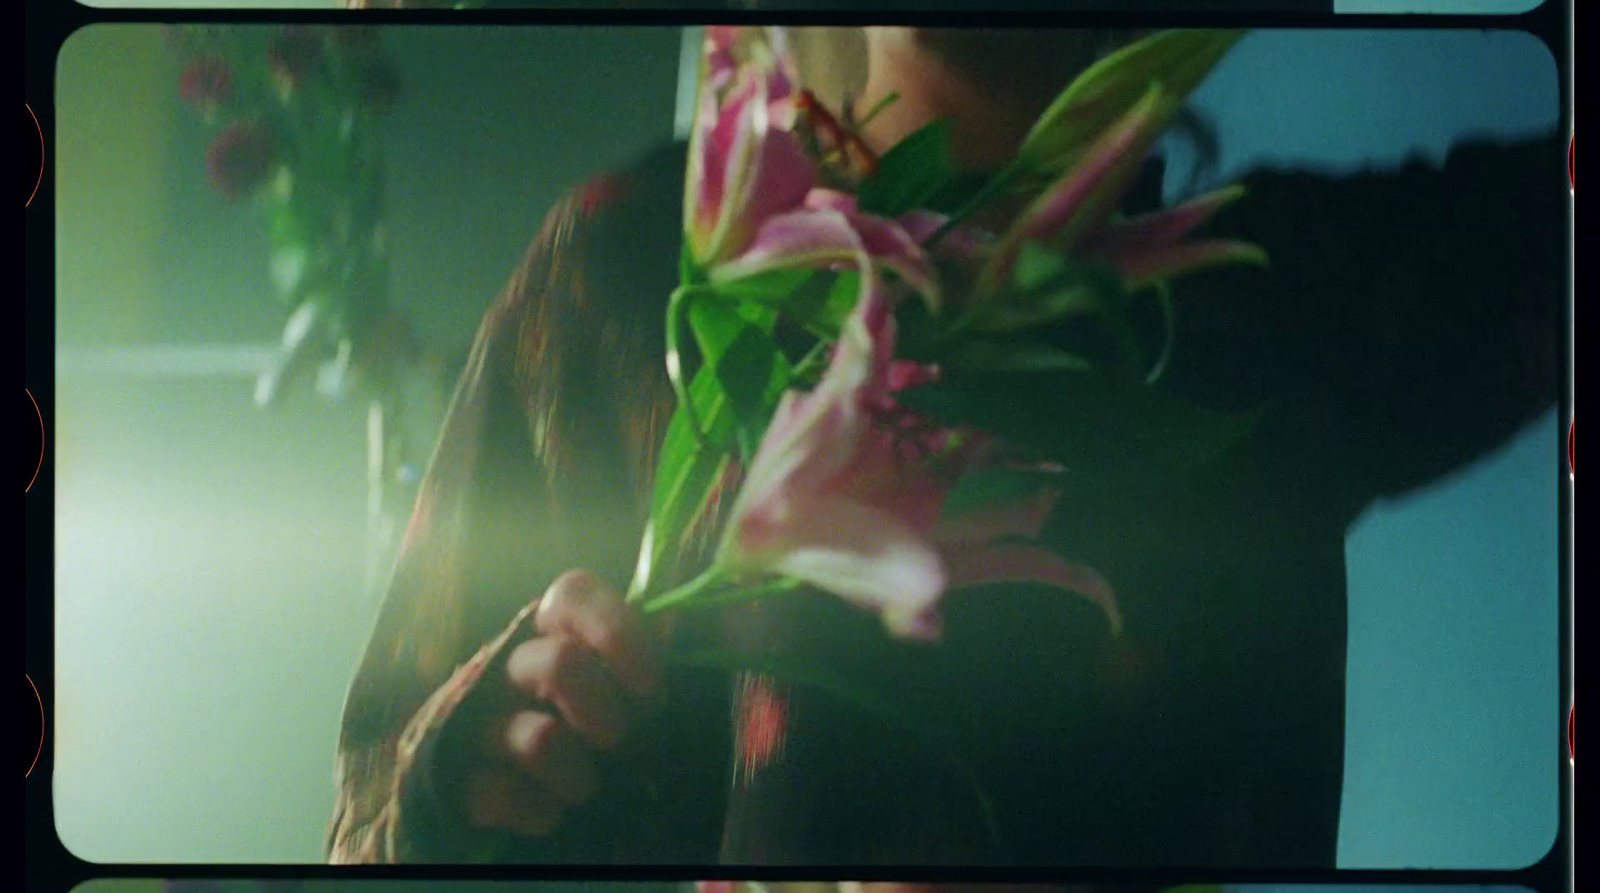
(985, 130)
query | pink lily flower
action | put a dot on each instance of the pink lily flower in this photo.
(753, 204)
(1150, 247)
(847, 492)
(744, 166)
(827, 230)
(721, 62)
(728, 48)
(1075, 215)
(1179, 60)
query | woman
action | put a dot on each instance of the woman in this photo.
(1411, 321)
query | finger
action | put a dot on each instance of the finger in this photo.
(580, 606)
(546, 749)
(572, 678)
(508, 800)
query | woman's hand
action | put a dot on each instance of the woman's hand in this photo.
(576, 689)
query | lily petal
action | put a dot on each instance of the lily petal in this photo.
(781, 74)
(780, 177)
(1082, 199)
(811, 439)
(1140, 268)
(828, 238)
(742, 169)
(815, 436)
(866, 556)
(720, 61)
(719, 149)
(885, 476)
(887, 242)
(806, 238)
(1031, 564)
(1163, 227)
(1022, 518)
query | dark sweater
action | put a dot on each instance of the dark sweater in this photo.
(1410, 321)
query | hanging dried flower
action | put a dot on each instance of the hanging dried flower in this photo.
(240, 158)
(206, 82)
(294, 55)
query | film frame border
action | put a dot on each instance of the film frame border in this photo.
(50, 867)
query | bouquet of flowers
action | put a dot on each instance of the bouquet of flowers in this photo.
(294, 112)
(295, 115)
(876, 459)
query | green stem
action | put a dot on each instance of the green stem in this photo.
(993, 190)
(678, 310)
(729, 594)
(814, 361)
(714, 588)
(1169, 323)
(708, 580)
(644, 568)
(882, 104)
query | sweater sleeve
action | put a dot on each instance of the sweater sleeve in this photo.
(1409, 321)
(539, 468)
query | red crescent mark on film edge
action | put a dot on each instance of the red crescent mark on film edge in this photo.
(40, 131)
(1572, 734)
(40, 750)
(1572, 447)
(39, 466)
(1572, 148)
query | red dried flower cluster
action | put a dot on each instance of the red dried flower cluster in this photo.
(206, 82)
(240, 158)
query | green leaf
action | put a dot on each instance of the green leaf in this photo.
(959, 190)
(1037, 266)
(1093, 424)
(736, 343)
(773, 288)
(754, 374)
(689, 272)
(824, 302)
(910, 175)
(716, 322)
(686, 471)
(1049, 287)
(734, 340)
